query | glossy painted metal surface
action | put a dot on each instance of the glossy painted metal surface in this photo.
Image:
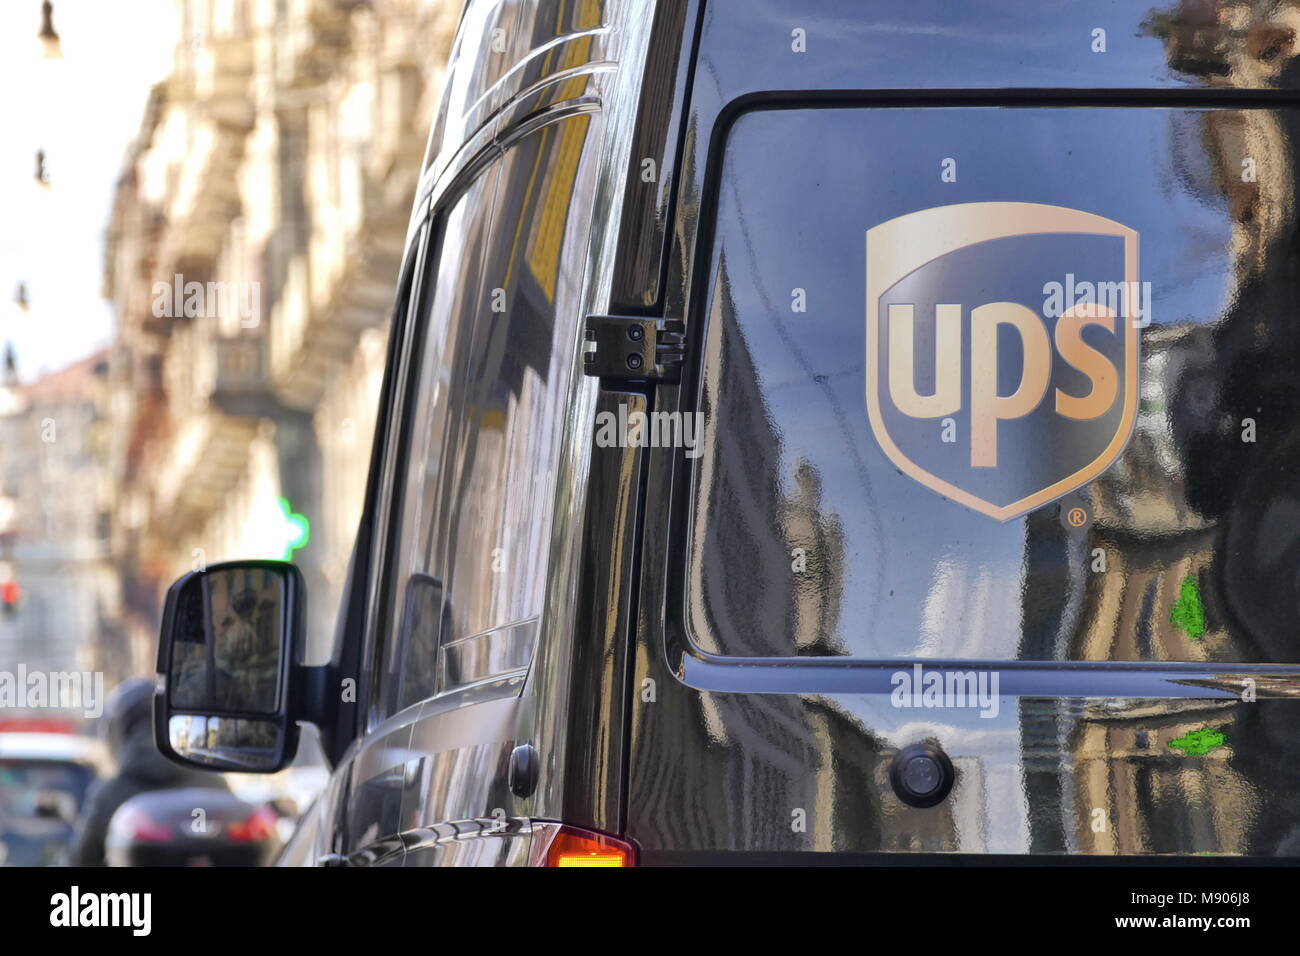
(1132, 715)
(656, 146)
(1141, 704)
(480, 502)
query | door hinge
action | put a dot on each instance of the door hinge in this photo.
(633, 349)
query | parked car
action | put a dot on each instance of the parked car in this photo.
(813, 432)
(191, 827)
(44, 777)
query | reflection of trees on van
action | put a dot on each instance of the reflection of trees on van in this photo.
(1192, 501)
(1249, 487)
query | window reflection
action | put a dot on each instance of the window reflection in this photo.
(227, 655)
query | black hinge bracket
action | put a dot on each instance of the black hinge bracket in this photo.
(633, 349)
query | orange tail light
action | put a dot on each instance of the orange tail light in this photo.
(574, 847)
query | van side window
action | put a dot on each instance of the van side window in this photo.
(499, 521)
(416, 595)
(500, 345)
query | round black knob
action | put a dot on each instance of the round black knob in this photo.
(921, 775)
(524, 766)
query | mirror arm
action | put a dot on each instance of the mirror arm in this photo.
(312, 692)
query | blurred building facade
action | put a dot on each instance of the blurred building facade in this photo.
(252, 259)
(64, 611)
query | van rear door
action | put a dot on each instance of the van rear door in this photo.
(989, 540)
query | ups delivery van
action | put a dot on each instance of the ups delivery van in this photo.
(815, 431)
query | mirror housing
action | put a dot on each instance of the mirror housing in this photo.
(230, 688)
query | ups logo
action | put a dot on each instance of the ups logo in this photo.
(1002, 349)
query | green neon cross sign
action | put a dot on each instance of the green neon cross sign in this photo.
(295, 529)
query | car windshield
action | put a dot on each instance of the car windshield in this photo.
(32, 787)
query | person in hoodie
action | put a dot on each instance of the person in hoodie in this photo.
(128, 727)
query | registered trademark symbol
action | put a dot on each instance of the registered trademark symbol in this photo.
(1075, 515)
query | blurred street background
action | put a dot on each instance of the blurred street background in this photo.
(206, 202)
(266, 172)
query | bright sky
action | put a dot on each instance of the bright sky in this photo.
(82, 110)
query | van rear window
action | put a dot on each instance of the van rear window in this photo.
(998, 383)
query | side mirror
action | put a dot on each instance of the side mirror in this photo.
(227, 659)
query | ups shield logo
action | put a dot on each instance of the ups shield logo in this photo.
(1002, 349)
